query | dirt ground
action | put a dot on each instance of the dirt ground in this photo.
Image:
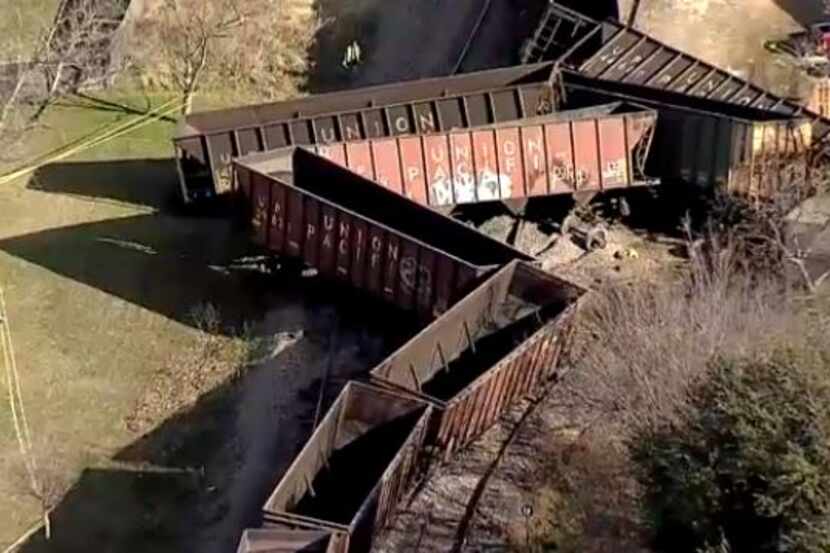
(709, 29)
(494, 495)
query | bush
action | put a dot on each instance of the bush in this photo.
(748, 468)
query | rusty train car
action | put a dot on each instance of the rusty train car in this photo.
(353, 231)
(206, 142)
(494, 347)
(609, 50)
(498, 343)
(744, 150)
(345, 182)
(352, 472)
(279, 540)
(593, 149)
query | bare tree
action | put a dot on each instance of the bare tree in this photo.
(188, 33)
(15, 74)
(254, 47)
(776, 234)
(45, 476)
(72, 50)
(75, 49)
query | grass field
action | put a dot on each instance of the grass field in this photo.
(25, 22)
(100, 277)
(102, 271)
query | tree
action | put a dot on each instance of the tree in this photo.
(258, 48)
(75, 49)
(72, 49)
(45, 474)
(188, 36)
(749, 468)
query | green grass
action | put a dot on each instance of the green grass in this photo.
(76, 119)
(91, 319)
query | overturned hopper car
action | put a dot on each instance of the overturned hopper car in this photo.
(205, 143)
(592, 149)
(707, 143)
(497, 345)
(352, 230)
(352, 472)
(609, 50)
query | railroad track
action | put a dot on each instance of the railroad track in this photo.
(496, 324)
(499, 326)
(360, 213)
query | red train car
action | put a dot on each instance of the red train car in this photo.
(206, 142)
(592, 149)
(354, 231)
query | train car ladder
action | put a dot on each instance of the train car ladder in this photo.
(544, 36)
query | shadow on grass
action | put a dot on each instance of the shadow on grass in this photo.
(598, 9)
(99, 513)
(146, 182)
(87, 101)
(202, 475)
(165, 264)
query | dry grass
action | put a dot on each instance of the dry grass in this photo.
(639, 351)
(644, 346)
(263, 55)
(213, 359)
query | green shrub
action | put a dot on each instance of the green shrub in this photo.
(747, 469)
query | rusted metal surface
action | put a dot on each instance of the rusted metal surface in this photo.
(819, 100)
(769, 158)
(276, 540)
(205, 143)
(354, 231)
(743, 150)
(498, 344)
(598, 148)
(354, 469)
(609, 50)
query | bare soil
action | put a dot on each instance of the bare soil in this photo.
(480, 499)
(731, 34)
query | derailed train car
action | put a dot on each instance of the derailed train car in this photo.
(206, 142)
(280, 540)
(707, 143)
(611, 51)
(353, 231)
(592, 149)
(352, 472)
(501, 343)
